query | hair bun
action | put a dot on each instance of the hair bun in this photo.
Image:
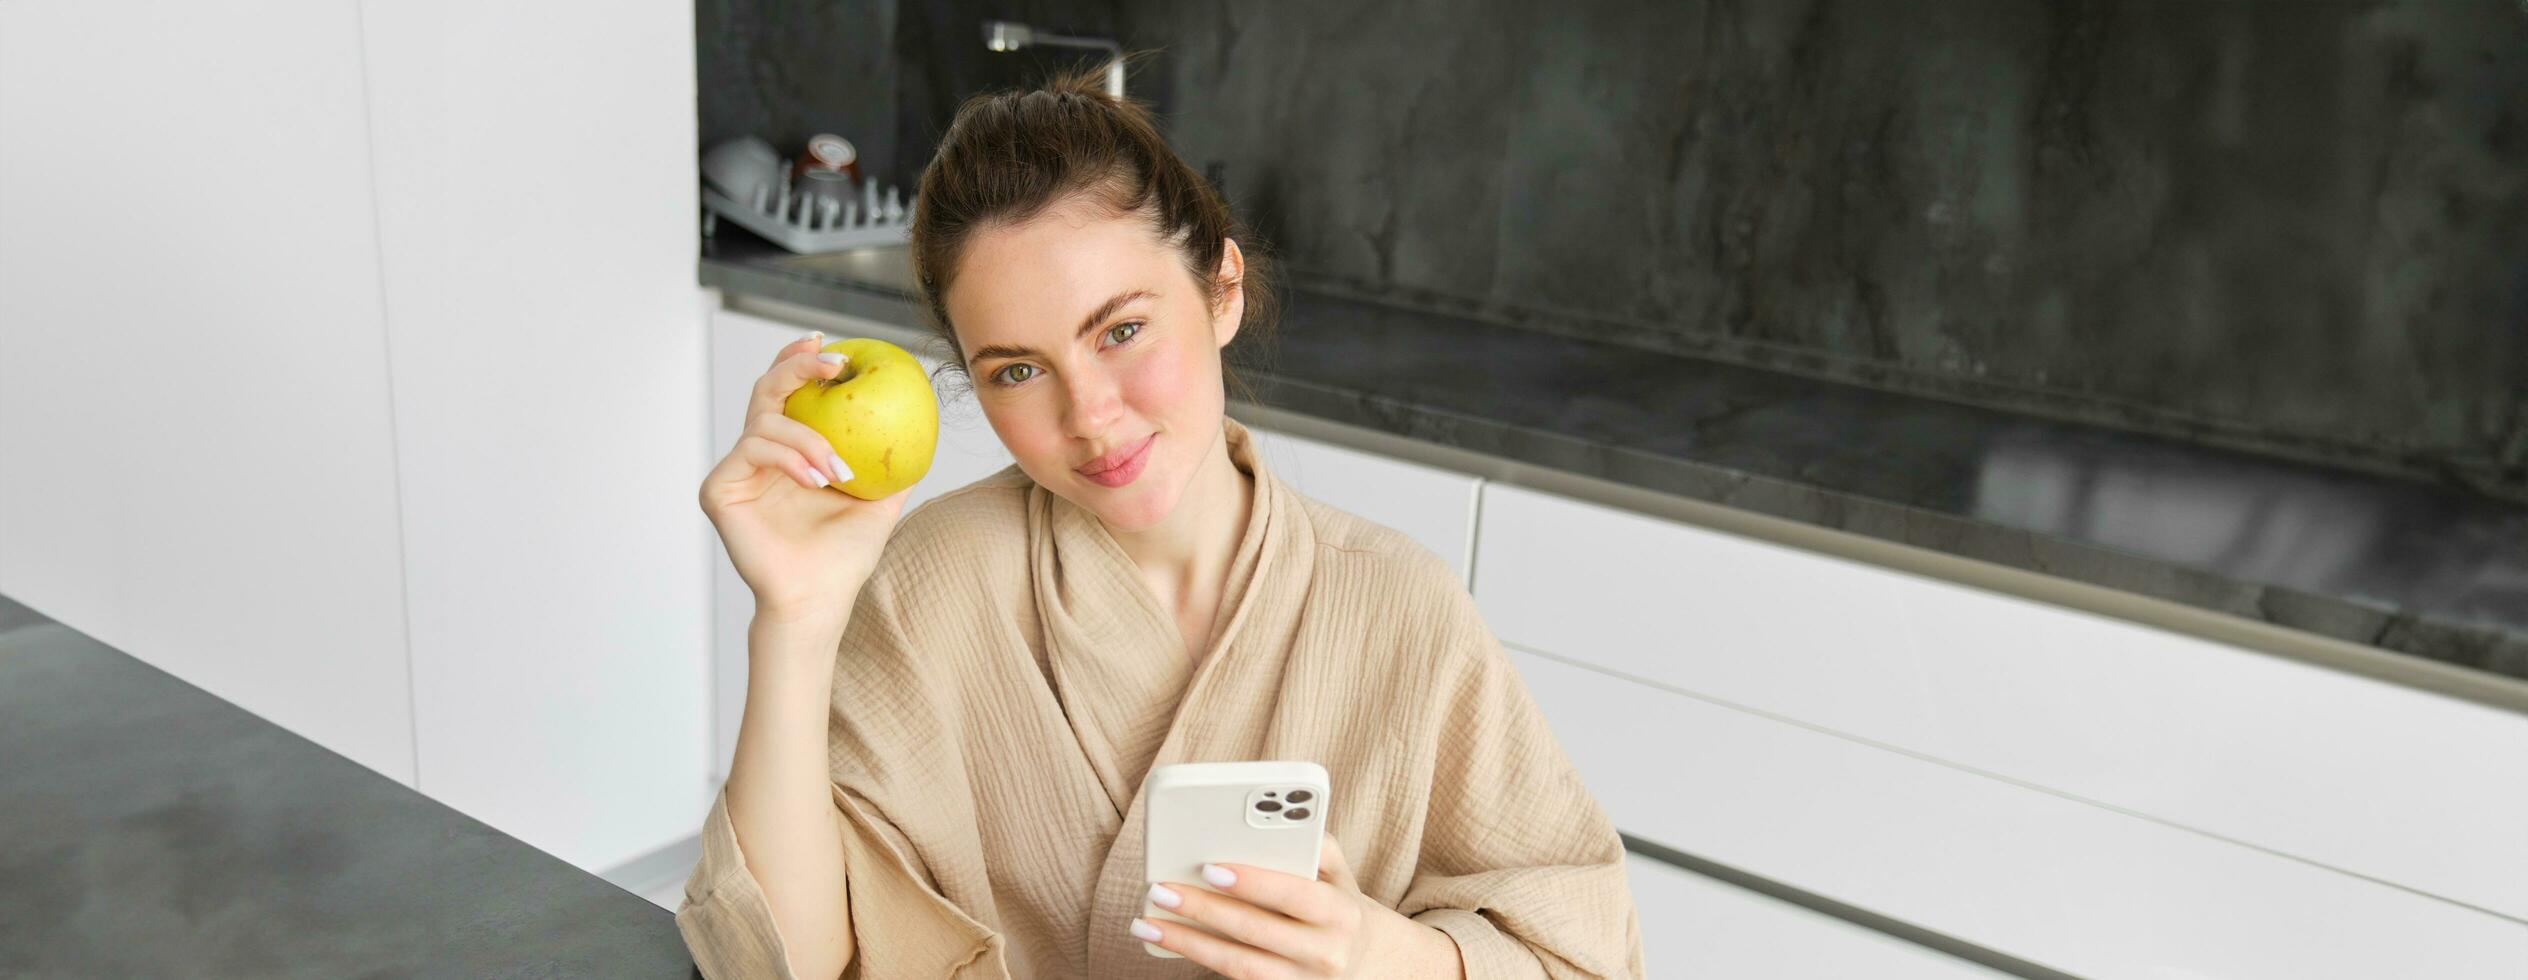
(1010, 154)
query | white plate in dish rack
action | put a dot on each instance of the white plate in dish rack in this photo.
(802, 223)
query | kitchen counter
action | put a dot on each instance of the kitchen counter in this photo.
(150, 829)
(2431, 573)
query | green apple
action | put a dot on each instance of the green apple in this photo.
(880, 415)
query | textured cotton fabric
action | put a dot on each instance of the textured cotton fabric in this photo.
(1007, 680)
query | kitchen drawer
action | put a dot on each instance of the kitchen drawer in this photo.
(2058, 882)
(1694, 926)
(1433, 506)
(2398, 784)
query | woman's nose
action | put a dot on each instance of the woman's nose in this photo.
(1095, 404)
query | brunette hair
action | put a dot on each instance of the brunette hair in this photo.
(1010, 155)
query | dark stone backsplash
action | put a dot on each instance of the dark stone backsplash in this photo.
(2296, 226)
(786, 70)
(885, 74)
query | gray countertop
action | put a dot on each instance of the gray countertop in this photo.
(2427, 571)
(150, 829)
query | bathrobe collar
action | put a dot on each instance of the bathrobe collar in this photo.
(1117, 665)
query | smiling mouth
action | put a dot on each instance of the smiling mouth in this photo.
(1117, 458)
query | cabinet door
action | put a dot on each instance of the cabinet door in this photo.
(1433, 506)
(742, 346)
(2051, 880)
(2326, 766)
(1695, 926)
(199, 462)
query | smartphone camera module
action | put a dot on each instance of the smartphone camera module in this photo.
(1279, 807)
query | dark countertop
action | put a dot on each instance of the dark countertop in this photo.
(150, 829)
(2422, 570)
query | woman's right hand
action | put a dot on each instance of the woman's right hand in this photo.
(803, 547)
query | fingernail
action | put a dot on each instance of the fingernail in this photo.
(1144, 931)
(830, 357)
(1218, 875)
(842, 470)
(817, 336)
(820, 477)
(1165, 897)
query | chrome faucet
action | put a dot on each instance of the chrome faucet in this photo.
(1010, 35)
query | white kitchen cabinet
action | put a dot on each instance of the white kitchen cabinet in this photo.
(2057, 882)
(197, 453)
(2401, 785)
(1432, 506)
(1695, 926)
(742, 348)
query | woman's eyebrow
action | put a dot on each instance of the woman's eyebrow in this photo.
(1095, 317)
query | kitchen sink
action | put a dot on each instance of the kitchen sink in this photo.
(884, 266)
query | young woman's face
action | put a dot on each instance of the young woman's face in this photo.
(1096, 356)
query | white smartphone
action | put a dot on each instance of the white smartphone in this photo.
(1266, 814)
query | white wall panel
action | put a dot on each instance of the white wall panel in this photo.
(197, 462)
(536, 198)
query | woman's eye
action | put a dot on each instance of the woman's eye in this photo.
(1117, 334)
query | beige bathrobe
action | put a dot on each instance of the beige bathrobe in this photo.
(1006, 680)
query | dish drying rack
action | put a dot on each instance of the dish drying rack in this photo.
(814, 222)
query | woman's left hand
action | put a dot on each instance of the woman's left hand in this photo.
(1273, 925)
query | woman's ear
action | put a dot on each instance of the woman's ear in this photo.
(1232, 276)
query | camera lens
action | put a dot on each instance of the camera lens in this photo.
(1297, 813)
(1267, 806)
(1298, 796)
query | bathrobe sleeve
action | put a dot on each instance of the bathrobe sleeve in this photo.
(901, 926)
(1519, 865)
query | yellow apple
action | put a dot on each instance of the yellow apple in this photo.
(880, 415)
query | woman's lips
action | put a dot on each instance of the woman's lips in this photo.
(1120, 468)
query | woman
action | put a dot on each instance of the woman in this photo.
(948, 721)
